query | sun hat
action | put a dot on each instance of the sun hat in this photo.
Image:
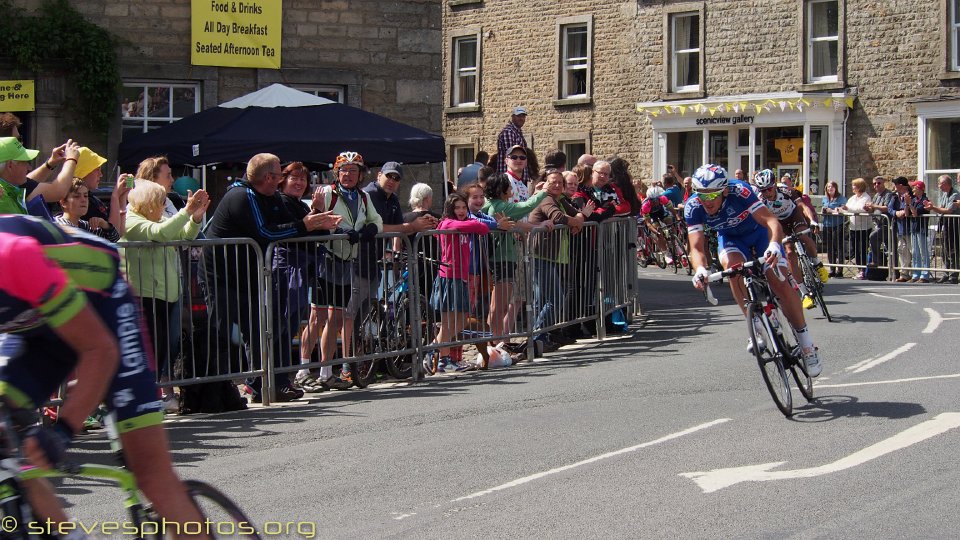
(11, 149)
(87, 162)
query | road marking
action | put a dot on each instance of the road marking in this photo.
(923, 295)
(860, 367)
(894, 381)
(537, 476)
(717, 479)
(935, 320)
(892, 298)
(945, 302)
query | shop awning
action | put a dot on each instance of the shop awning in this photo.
(748, 103)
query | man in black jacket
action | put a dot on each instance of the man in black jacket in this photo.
(253, 209)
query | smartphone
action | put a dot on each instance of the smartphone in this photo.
(131, 181)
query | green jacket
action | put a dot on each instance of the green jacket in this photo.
(155, 272)
(504, 243)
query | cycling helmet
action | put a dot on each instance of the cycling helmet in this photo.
(654, 192)
(710, 177)
(765, 179)
(349, 157)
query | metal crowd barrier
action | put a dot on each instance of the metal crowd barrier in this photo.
(243, 313)
(926, 245)
(854, 240)
(202, 300)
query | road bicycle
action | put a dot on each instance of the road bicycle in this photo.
(810, 276)
(645, 247)
(773, 340)
(222, 517)
(387, 326)
(677, 246)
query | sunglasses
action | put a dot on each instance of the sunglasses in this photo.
(518, 158)
(709, 196)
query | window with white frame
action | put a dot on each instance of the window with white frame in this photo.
(685, 52)
(941, 140)
(573, 149)
(331, 92)
(823, 40)
(465, 73)
(575, 60)
(954, 31)
(463, 155)
(145, 106)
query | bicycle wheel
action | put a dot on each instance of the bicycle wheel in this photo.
(788, 343)
(401, 335)
(814, 285)
(643, 251)
(770, 360)
(366, 341)
(224, 517)
(683, 259)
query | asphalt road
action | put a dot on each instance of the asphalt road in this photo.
(633, 437)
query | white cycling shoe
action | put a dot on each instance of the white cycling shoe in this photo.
(811, 358)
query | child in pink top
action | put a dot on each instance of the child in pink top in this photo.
(450, 296)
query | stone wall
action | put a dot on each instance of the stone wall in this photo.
(892, 57)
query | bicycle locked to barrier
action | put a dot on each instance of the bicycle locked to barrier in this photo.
(773, 340)
(222, 517)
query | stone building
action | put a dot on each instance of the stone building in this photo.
(382, 56)
(823, 89)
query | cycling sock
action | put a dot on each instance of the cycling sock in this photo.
(804, 337)
(326, 372)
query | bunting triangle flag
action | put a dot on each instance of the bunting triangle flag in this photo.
(828, 102)
(849, 102)
(683, 109)
(713, 110)
(758, 108)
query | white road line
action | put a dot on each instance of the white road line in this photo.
(892, 381)
(873, 362)
(892, 298)
(717, 479)
(923, 295)
(935, 320)
(945, 302)
(537, 476)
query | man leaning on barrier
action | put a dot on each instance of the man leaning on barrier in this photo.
(948, 205)
(251, 208)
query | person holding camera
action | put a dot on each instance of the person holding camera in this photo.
(902, 209)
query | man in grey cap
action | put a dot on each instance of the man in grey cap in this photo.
(510, 136)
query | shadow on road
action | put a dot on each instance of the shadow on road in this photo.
(838, 406)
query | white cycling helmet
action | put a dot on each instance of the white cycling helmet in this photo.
(765, 179)
(710, 177)
(654, 192)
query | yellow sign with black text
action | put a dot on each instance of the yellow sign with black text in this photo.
(17, 96)
(236, 33)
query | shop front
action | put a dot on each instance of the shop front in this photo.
(789, 133)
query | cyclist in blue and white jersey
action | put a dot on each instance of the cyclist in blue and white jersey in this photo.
(744, 225)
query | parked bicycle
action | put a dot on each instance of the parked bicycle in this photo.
(773, 340)
(222, 517)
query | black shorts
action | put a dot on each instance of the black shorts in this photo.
(503, 271)
(326, 294)
(795, 222)
(39, 362)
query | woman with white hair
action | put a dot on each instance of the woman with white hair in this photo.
(421, 200)
(154, 272)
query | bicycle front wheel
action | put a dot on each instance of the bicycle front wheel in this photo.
(790, 347)
(223, 517)
(770, 359)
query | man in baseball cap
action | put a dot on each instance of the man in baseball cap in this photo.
(511, 136)
(16, 189)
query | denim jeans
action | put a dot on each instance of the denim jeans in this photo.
(921, 253)
(548, 292)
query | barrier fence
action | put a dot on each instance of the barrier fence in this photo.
(915, 247)
(227, 310)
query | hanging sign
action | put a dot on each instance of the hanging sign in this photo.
(17, 96)
(236, 33)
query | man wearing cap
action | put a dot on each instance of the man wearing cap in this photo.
(516, 169)
(10, 127)
(900, 209)
(18, 189)
(510, 137)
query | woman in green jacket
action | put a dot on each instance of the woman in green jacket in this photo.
(503, 258)
(154, 271)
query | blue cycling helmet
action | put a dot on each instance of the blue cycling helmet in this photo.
(765, 179)
(710, 177)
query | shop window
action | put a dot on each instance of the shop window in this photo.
(575, 61)
(333, 93)
(465, 73)
(145, 106)
(822, 41)
(684, 55)
(685, 151)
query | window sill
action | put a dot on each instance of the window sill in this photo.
(950, 76)
(462, 110)
(567, 102)
(458, 3)
(821, 86)
(696, 94)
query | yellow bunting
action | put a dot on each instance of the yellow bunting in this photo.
(828, 102)
(713, 110)
(849, 102)
(758, 108)
(683, 109)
